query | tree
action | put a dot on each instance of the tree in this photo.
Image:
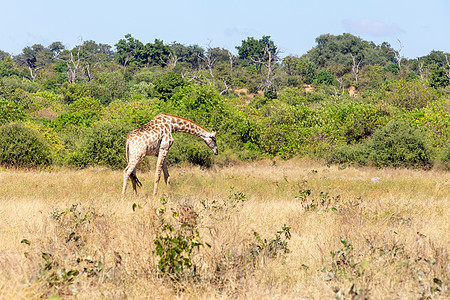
(34, 58)
(261, 52)
(156, 54)
(397, 54)
(188, 54)
(127, 50)
(355, 65)
(253, 50)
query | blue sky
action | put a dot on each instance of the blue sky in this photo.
(421, 26)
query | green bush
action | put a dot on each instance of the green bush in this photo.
(9, 111)
(167, 85)
(358, 154)
(353, 122)
(394, 145)
(444, 157)
(399, 145)
(190, 149)
(21, 146)
(324, 77)
(408, 94)
(104, 145)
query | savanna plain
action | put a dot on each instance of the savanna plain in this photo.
(293, 229)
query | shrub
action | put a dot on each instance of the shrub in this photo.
(167, 85)
(358, 154)
(399, 145)
(21, 146)
(104, 144)
(394, 145)
(354, 122)
(408, 94)
(444, 157)
(9, 111)
(190, 149)
(324, 77)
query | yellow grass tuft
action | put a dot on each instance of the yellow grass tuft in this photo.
(355, 232)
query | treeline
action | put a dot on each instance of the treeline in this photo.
(346, 100)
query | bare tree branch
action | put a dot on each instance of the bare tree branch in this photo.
(267, 63)
(355, 66)
(397, 54)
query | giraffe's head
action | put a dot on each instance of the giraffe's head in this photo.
(210, 140)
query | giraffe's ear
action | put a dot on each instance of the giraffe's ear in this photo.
(214, 133)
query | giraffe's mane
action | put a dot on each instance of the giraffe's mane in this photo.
(184, 120)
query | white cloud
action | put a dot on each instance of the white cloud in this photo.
(234, 32)
(372, 28)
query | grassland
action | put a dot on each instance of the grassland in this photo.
(351, 233)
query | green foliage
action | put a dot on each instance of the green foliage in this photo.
(176, 241)
(9, 111)
(394, 145)
(391, 68)
(63, 266)
(21, 146)
(353, 122)
(73, 91)
(324, 77)
(273, 247)
(47, 100)
(107, 86)
(104, 145)
(434, 120)
(201, 104)
(134, 114)
(82, 112)
(190, 149)
(167, 85)
(408, 94)
(444, 157)
(399, 145)
(358, 154)
(438, 78)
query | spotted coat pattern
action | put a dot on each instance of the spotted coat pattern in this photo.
(155, 138)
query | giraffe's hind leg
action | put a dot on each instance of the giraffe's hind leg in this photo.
(130, 172)
(166, 176)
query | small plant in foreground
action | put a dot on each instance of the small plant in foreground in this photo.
(271, 247)
(311, 203)
(177, 240)
(64, 264)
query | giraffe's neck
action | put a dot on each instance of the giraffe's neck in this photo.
(180, 124)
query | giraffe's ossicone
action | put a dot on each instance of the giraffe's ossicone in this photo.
(155, 138)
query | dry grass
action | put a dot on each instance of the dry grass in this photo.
(397, 228)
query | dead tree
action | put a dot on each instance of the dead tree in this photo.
(447, 71)
(227, 87)
(88, 67)
(421, 70)
(397, 54)
(268, 63)
(337, 92)
(209, 60)
(231, 57)
(31, 65)
(171, 61)
(355, 66)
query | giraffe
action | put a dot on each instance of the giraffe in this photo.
(155, 138)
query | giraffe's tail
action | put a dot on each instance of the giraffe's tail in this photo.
(134, 177)
(127, 150)
(133, 174)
